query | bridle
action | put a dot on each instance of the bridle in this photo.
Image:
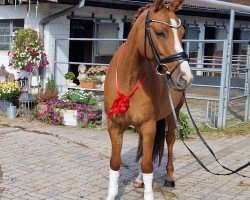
(162, 62)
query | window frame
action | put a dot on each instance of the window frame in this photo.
(11, 27)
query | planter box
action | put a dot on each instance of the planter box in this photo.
(69, 117)
(86, 84)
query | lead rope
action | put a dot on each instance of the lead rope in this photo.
(202, 139)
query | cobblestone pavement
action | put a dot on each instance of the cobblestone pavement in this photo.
(65, 163)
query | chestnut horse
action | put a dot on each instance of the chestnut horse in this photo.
(136, 92)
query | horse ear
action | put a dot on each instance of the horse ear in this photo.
(176, 5)
(159, 4)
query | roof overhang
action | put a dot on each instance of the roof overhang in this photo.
(207, 8)
(208, 4)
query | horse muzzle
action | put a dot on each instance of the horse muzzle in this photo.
(183, 81)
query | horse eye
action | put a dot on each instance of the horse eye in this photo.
(160, 33)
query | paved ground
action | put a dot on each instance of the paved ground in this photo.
(64, 163)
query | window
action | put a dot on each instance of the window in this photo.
(104, 50)
(192, 33)
(245, 35)
(221, 34)
(7, 28)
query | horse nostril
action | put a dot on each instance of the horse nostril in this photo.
(181, 80)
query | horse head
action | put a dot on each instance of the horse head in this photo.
(161, 43)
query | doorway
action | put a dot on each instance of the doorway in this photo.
(80, 51)
(210, 34)
(236, 46)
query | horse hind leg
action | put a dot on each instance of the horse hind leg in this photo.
(170, 139)
(116, 136)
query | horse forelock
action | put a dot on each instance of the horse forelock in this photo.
(139, 12)
(142, 9)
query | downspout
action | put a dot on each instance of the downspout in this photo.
(46, 20)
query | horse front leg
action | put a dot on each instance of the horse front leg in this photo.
(116, 137)
(148, 135)
(170, 139)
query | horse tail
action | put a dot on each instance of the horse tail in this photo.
(159, 142)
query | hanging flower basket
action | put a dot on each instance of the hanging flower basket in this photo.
(27, 53)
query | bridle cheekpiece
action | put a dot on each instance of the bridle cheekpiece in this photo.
(162, 62)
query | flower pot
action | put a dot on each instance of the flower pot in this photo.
(40, 108)
(103, 77)
(24, 74)
(69, 117)
(88, 84)
(68, 81)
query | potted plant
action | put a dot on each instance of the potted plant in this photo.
(83, 108)
(73, 108)
(70, 76)
(88, 82)
(8, 93)
(44, 98)
(27, 53)
(97, 71)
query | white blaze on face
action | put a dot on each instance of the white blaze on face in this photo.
(184, 67)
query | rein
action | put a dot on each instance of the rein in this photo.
(202, 139)
(181, 57)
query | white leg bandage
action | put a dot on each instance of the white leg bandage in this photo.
(113, 184)
(148, 190)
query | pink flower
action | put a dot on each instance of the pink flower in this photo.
(32, 52)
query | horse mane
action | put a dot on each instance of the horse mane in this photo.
(139, 12)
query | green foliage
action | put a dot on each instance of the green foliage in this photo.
(51, 85)
(79, 97)
(26, 37)
(184, 127)
(70, 75)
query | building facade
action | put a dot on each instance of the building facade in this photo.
(108, 19)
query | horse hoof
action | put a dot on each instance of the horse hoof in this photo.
(138, 183)
(148, 195)
(110, 197)
(170, 184)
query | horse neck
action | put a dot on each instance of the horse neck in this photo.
(132, 65)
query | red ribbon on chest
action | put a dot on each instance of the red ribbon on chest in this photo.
(121, 103)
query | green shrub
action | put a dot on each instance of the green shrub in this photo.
(184, 126)
(51, 85)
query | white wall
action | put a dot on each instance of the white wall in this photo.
(60, 28)
(57, 28)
